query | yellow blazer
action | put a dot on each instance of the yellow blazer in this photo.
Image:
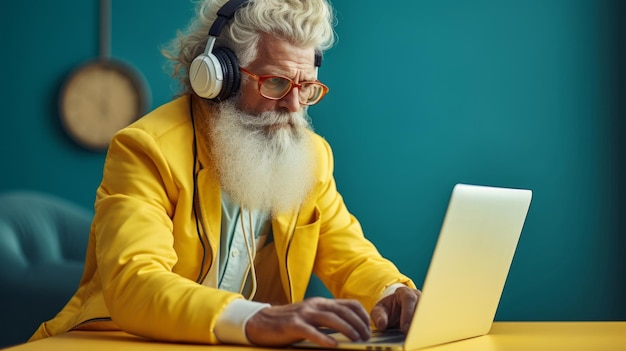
(145, 255)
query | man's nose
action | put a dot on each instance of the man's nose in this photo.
(291, 101)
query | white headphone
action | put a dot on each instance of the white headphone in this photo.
(214, 74)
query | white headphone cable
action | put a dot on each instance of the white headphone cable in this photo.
(251, 252)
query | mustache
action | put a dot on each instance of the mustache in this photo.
(271, 118)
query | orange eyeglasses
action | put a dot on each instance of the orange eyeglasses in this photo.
(277, 87)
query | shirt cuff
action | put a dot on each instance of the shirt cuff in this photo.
(230, 327)
(390, 290)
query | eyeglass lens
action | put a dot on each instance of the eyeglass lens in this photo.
(278, 87)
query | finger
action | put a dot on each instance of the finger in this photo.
(358, 310)
(380, 316)
(315, 336)
(333, 321)
(390, 311)
(347, 317)
(408, 302)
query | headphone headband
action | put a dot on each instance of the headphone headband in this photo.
(318, 58)
(224, 14)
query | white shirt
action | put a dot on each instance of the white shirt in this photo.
(242, 231)
(232, 271)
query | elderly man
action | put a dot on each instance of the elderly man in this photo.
(215, 209)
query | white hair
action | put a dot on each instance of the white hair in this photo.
(303, 23)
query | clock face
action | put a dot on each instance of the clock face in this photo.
(98, 100)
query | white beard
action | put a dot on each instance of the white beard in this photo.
(262, 167)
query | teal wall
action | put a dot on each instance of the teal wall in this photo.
(424, 94)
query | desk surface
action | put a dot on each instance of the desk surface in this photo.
(504, 336)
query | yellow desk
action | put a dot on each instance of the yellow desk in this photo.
(504, 336)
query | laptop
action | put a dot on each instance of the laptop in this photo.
(467, 272)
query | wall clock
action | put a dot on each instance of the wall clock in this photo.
(102, 96)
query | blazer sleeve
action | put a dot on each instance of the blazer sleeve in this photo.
(135, 252)
(349, 264)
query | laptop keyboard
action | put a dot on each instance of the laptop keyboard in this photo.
(387, 336)
(377, 337)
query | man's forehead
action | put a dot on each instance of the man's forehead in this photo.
(273, 52)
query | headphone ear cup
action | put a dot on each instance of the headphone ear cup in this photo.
(230, 69)
(206, 76)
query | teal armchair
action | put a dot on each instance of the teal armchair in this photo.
(43, 240)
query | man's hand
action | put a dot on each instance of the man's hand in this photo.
(396, 310)
(283, 325)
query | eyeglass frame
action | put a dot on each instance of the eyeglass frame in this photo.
(261, 79)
